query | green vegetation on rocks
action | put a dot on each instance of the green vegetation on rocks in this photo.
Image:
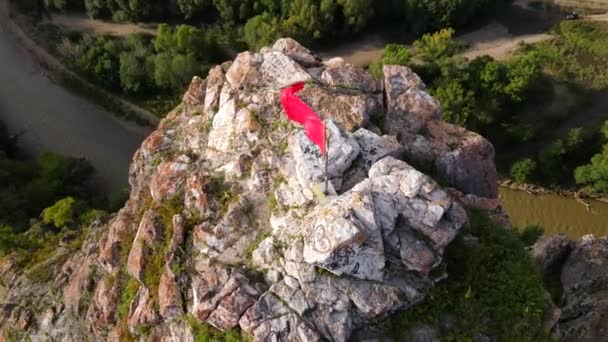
(204, 333)
(493, 290)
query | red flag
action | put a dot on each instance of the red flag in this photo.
(301, 113)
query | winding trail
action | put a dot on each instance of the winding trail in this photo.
(53, 119)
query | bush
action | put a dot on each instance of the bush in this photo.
(435, 48)
(394, 54)
(61, 213)
(523, 170)
(261, 30)
(594, 176)
(530, 234)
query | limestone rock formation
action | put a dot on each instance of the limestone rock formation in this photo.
(227, 223)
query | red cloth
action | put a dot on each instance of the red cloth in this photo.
(301, 113)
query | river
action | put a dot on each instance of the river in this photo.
(556, 214)
(53, 119)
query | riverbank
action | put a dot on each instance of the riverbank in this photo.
(537, 190)
(67, 78)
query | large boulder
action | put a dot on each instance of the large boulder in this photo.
(461, 158)
(584, 278)
(550, 252)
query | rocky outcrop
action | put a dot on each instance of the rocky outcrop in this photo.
(228, 223)
(582, 271)
(462, 158)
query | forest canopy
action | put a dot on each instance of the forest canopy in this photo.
(305, 20)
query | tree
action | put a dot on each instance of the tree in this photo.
(132, 72)
(233, 11)
(97, 8)
(100, 61)
(191, 8)
(595, 174)
(523, 170)
(436, 47)
(356, 13)
(524, 74)
(457, 102)
(310, 21)
(576, 139)
(61, 213)
(10, 240)
(261, 30)
(396, 54)
(393, 54)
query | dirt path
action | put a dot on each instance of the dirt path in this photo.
(82, 23)
(495, 40)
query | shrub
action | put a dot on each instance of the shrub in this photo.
(523, 170)
(61, 213)
(595, 174)
(530, 234)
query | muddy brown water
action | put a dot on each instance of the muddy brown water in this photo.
(556, 214)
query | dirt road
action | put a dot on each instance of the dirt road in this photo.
(82, 23)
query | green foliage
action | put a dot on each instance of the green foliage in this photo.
(519, 133)
(54, 182)
(530, 234)
(91, 216)
(493, 289)
(125, 10)
(594, 176)
(222, 193)
(63, 5)
(524, 74)
(261, 30)
(393, 54)
(11, 240)
(457, 102)
(100, 60)
(205, 333)
(61, 213)
(604, 131)
(191, 8)
(523, 170)
(128, 291)
(578, 52)
(27, 188)
(436, 47)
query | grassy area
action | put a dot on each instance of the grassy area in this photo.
(579, 53)
(493, 289)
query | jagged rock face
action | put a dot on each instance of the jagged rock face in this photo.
(227, 221)
(581, 268)
(462, 158)
(585, 282)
